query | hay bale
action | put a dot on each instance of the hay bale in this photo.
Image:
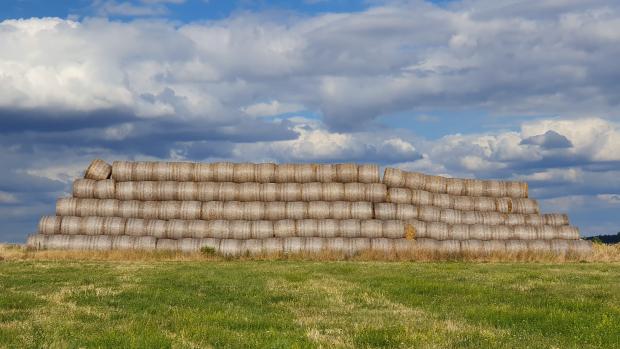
(98, 170)
(142, 171)
(455, 186)
(427, 245)
(406, 211)
(368, 173)
(503, 205)
(559, 247)
(305, 173)
(451, 216)
(228, 191)
(211, 210)
(275, 210)
(208, 191)
(100, 243)
(516, 189)
(494, 188)
(307, 227)
(375, 192)
(273, 245)
(285, 173)
(177, 229)
(494, 247)
(161, 171)
(223, 171)
(579, 248)
(124, 190)
(555, 219)
(492, 218)
(501, 232)
(393, 177)
(525, 232)
(371, 228)
(340, 210)
(123, 242)
(209, 243)
(338, 244)
(284, 228)
(319, 209)
(449, 247)
(244, 172)
(311, 191)
(399, 195)
(421, 197)
(265, 173)
(269, 192)
(296, 210)
(87, 207)
(385, 210)
(253, 211)
(66, 207)
(539, 246)
(189, 245)
(333, 191)
(474, 187)
(435, 184)
(415, 180)
(522, 205)
(402, 245)
(104, 189)
(144, 191)
(393, 229)
(458, 231)
(49, 225)
(354, 192)
(91, 225)
(220, 229)
(565, 232)
(121, 171)
(262, 229)
(70, 225)
(437, 231)
(203, 173)
(198, 229)
(136, 227)
(429, 213)
(481, 232)
(168, 190)
(546, 232)
(516, 246)
(418, 226)
(514, 219)
(359, 244)
(240, 229)
(108, 208)
(169, 210)
(361, 210)
(190, 210)
(293, 245)
(84, 188)
(328, 228)
(442, 200)
(472, 217)
(155, 228)
(187, 191)
(346, 173)
(290, 192)
(534, 219)
(350, 228)
(253, 246)
(484, 204)
(472, 247)
(326, 173)
(232, 210)
(382, 244)
(145, 243)
(314, 244)
(181, 171)
(464, 203)
(167, 245)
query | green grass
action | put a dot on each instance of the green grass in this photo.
(307, 304)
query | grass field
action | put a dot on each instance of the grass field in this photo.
(170, 301)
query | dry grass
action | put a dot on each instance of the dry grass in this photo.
(601, 253)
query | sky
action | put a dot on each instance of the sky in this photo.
(514, 90)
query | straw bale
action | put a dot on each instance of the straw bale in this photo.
(307, 227)
(429, 213)
(418, 226)
(435, 184)
(290, 192)
(244, 172)
(249, 191)
(415, 180)
(472, 217)
(49, 225)
(455, 186)
(515, 219)
(565, 232)
(220, 229)
(169, 210)
(326, 173)
(121, 171)
(393, 177)
(162, 171)
(371, 228)
(262, 229)
(428, 245)
(296, 210)
(177, 229)
(382, 244)
(293, 245)
(305, 173)
(474, 187)
(87, 207)
(503, 205)
(168, 190)
(145, 243)
(539, 246)
(492, 218)
(346, 173)
(135, 227)
(449, 247)
(494, 188)
(104, 189)
(240, 229)
(208, 191)
(516, 189)
(101, 243)
(265, 173)
(402, 245)
(223, 171)
(328, 228)
(92, 225)
(354, 191)
(167, 245)
(190, 210)
(254, 246)
(98, 170)
(458, 231)
(273, 245)
(368, 173)
(198, 229)
(319, 209)
(525, 232)
(150, 210)
(359, 244)
(232, 210)
(482, 203)
(203, 173)
(53, 242)
(284, 228)
(142, 171)
(494, 246)
(70, 225)
(311, 191)
(393, 229)
(275, 210)
(375, 192)
(534, 219)
(338, 244)
(189, 245)
(360, 210)
(210, 243)
(559, 247)
(333, 191)
(501, 232)
(421, 197)
(314, 244)
(285, 173)
(228, 191)
(123, 242)
(555, 219)
(523, 205)
(253, 210)
(546, 232)
(482, 232)
(84, 188)
(399, 195)
(340, 210)
(145, 191)
(385, 210)
(437, 230)
(516, 246)
(212, 210)
(464, 203)
(66, 207)
(269, 192)
(181, 171)
(187, 191)
(350, 228)
(451, 216)
(442, 200)
(472, 247)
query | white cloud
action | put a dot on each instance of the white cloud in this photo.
(7, 198)
(271, 108)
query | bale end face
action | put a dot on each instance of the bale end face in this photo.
(98, 170)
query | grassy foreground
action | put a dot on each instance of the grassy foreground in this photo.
(167, 302)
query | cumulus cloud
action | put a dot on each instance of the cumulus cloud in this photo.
(549, 140)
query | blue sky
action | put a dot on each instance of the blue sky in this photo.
(524, 90)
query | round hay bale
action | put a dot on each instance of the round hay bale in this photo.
(437, 231)
(421, 197)
(516, 189)
(114, 226)
(350, 228)
(337, 244)
(415, 180)
(145, 243)
(91, 226)
(123, 242)
(203, 173)
(406, 211)
(555, 219)
(368, 173)
(293, 245)
(275, 210)
(262, 229)
(54, 242)
(307, 227)
(146, 191)
(393, 177)
(150, 210)
(393, 229)
(87, 207)
(244, 172)
(80, 242)
(228, 191)
(492, 218)
(449, 247)
(358, 245)
(84, 188)
(273, 245)
(209, 243)
(399, 195)
(155, 228)
(501, 232)
(198, 229)
(455, 186)
(522, 205)
(458, 231)
(208, 191)
(232, 210)
(121, 171)
(515, 219)
(328, 228)
(296, 210)
(326, 173)
(240, 229)
(285, 173)
(70, 225)
(254, 246)
(189, 245)
(559, 247)
(402, 245)
(67, 206)
(212, 210)
(167, 245)
(464, 203)
(534, 219)
(305, 173)
(314, 244)
(107, 208)
(290, 192)
(311, 191)
(188, 191)
(565, 232)
(190, 210)
(385, 210)
(101, 243)
(375, 192)
(418, 226)
(269, 192)
(333, 191)
(525, 232)
(480, 232)
(136, 227)
(539, 246)
(579, 248)
(494, 188)
(105, 189)
(516, 246)
(223, 171)
(494, 247)
(435, 184)
(442, 200)
(371, 228)
(168, 190)
(177, 229)
(472, 247)
(427, 245)
(169, 210)
(220, 229)
(429, 213)
(98, 170)
(49, 225)
(142, 171)
(284, 228)
(253, 211)
(474, 187)
(354, 192)
(319, 209)
(346, 173)
(472, 217)
(503, 205)
(484, 204)
(161, 171)
(340, 210)
(265, 172)
(181, 171)
(362, 210)
(382, 244)
(451, 216)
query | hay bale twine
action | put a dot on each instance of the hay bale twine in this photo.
(516, 246)
(484, 204)
(104, 189)
(121, 171)
(525, 232)
(211, 210)
(565, 232)
(449, 247)
(458, 231)
(492, 218)
(472, 247)
(293, 245)
(326, 173)
(275, 210)
(340, 210)
(455, 186)
(198, 229)
(501, 232)
(328, 228)
(167, 245)
(534, 219)
(220, 229)
(415, 180)
(516, 189)
(437, 231)
(346, 173)
(265, 172)
(92, 225)
(285, 173)
(442, 200)
(350, 228)
(472, 217)
(269, 192)
(228, 191)
(375, 192)
(49, 225)
(187, 191)
(208, 191)
(382, 244)
(290, 192)
(169, 210)
(209, 243)
(385, 210)
(559, 247)
(539, 246)
(503, 205)
(523, 205)
(87, 207)
(145, 243)
(314, 244)
(244, 172)
(123, 242)
(181, 171)
(98, 170)
(515, 219)
(296, 210)
(203, 173)
(333, 191)
(261, 229)
(393, 177)
(232, 210)
(451, 216)
(67, 206)
(240, 229)
(223, 171)
(319, 209)
(579, 248)
(142, 171)
(480, 232)
(311, 191)
(422, 197)
(368, 173)
(249, 191)
(435, 184)
(253, 211)
(84, 188)
(371, 228)
(354, 192)
(494, 188)
(555, 219)
(464, 203)
(189, 245)
(177, 229)
(393, 229)
(136, 227)
(168, 190)
(253, 246)
(405, 212)
(360, 210)
(474, 187)
(399, 195)
(284, 228)
(70, 225)
(305, 173)
(273, 245)
(429, 213)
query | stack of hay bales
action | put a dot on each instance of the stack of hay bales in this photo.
(239, 208)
